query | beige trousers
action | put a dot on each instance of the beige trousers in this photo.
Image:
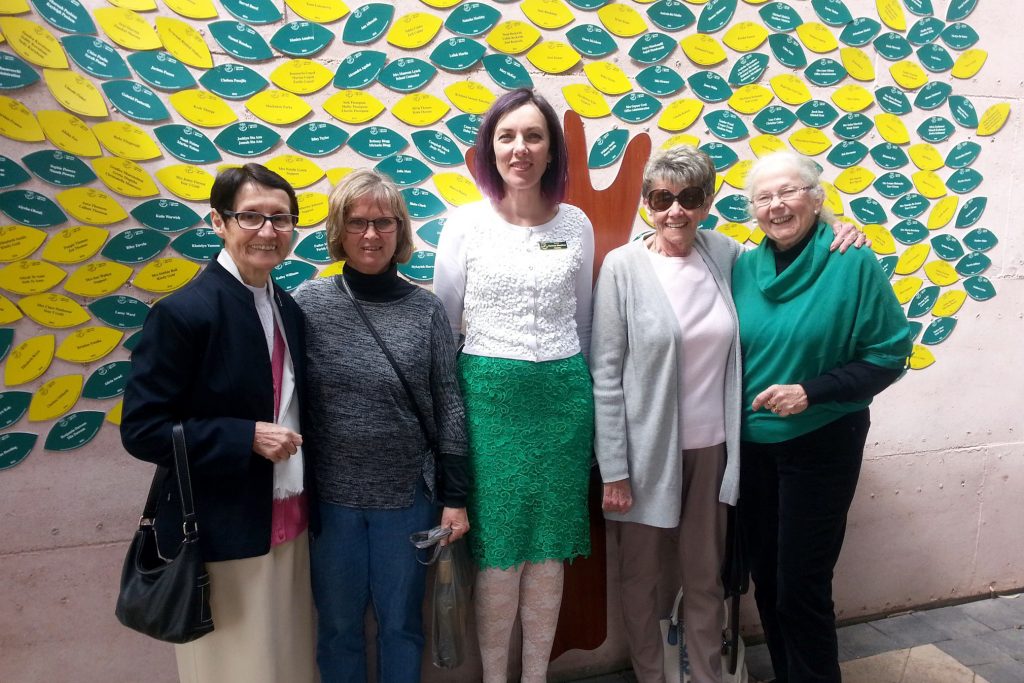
(689, 555)
(263, 621)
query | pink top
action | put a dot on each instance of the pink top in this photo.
(289, 517)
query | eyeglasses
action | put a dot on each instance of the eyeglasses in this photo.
(383, 225)
(254, 220)
(690, 198)
(785, 194)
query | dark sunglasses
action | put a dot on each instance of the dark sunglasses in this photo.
(690, 198)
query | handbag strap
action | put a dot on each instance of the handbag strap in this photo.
(184, 486)
(394, 365)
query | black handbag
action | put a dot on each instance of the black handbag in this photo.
(166, 599)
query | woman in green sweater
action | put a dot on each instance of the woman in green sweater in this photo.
(821, 335)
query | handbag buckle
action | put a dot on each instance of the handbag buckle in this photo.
(185, 528)
(145, 521)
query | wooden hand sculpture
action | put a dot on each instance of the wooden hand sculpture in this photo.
(613, 209)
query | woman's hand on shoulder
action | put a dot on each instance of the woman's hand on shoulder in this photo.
(618, 496)
(274, 442)
(848, 235)
(457, 520)
(782, 399)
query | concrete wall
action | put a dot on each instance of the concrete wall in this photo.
(936, 516)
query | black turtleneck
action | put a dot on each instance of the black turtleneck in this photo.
(379, 288)
(855, 381)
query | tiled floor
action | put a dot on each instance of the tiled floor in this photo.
(977, 642)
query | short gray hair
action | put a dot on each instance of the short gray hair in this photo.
(681, 165)
(804, 167)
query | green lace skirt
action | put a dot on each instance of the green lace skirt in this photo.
(531, 431)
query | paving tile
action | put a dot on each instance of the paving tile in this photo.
(909, 630)
(1000, 672)
(974, 651)
(995, 613)
(863, 640)
(928, 664)
(884, 668)
(954, 622)
(1016, 602)
(1010, 641)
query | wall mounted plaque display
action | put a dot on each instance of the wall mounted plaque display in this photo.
(437, 147)
(974, 263)
(935, 58)
(979, 288)
(847, 153)
(892, 100)
(963, 111)
(30, 276)
(317, 138)
(18, 123)
(591, 40)
(75, 244)
(751, 99)
(586, 100)
(457, 54)
(33, 43)
(963, 154)
(13, 406)
(233, 81)
(69, 16)
(187, 144)
(745, 36)
(779, 16)
(368, 23)
(404, 170)
(774, 119)
(925, 30)
(359, 69)
(607, 148)
(825, 72)
(135, 245)
(12, 174)
(430, 232)
(253, 11)
(301, 39)
(933, 95)
(92, 206)
(377, 142)
(127, 29)
(406, 74)
(96, 57)
(636, 107)
(314, 248)
(513, 37)
(414, 30)
(959, 36)
(15, 447)
(889, 156)
(420, 109)
(125, 177)
(748, 69)
(192, 9)
(709, 86)
(31, 208)
(422, 203)
(86, 345)
(608, 78)
(959, 9)
(200, 244)
(165, 215)
(860, 32)
(98, 279)
(910, 205)
(472, 19)
(29, 359)
(420, 268)
(703, 50)
(868, 210)
(971, 212)
(909, 231)
(135, 100)
(74, 431)
(464, 127)
(947, 247)
(186, 181)
(184, 42)
(164, 275)
(301, 76)
(787, 50)
(291, 273)
(280, 107)
(15, 72)
(553, 57)
(670, 15)
(816, 37)
(716, 15)
(120, 311)
(161, 70)
(298, 170)
(892, 184)
(660, 81)
(725, 125)
(456, 189)
(721, 155)
(320, 11)
(17, 242)
(75, 92)
(507, 71)
(964, 181)
(57, 168)
(240, 41)
(817, 113)
(832, 12)
(993, 119)
(980, 239)
(893, 46)
(652, 47)
(936, 129)
(938, 331)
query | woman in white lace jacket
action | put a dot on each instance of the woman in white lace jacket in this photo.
(516, 269)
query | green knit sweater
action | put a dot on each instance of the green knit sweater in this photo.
(826, 309)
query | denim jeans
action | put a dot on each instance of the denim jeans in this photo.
(361, 556)
(794, 497)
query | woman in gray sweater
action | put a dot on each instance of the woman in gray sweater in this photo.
(376, 477)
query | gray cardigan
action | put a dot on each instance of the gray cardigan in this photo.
(636, 380)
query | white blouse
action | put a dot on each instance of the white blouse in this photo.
(524, 293)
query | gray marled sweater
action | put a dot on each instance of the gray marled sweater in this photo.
(362, 438)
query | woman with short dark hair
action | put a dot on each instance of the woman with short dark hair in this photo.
(377, 478)
(224, 356)
(517, 269)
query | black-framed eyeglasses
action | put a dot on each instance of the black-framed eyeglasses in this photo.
(689, 198)
(785, 194)
(254, 220)
(383, 225)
